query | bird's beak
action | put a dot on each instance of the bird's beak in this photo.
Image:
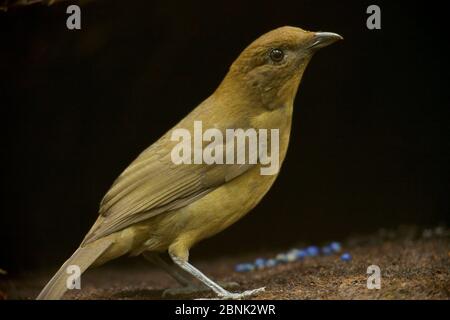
(323, 39)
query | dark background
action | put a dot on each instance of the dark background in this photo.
(370, 140)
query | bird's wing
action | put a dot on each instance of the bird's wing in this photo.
(153, 184)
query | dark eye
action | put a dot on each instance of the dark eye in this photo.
(276, 55)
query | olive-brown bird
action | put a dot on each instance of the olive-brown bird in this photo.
(156, 205)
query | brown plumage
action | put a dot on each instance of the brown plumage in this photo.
(156, 206)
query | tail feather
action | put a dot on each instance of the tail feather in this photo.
(83, 257)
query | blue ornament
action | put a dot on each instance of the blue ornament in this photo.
(312, 251)
(301, 254)
(271, 263)
(335, 246)
(244, 267)
(260, 263)
(346, 256)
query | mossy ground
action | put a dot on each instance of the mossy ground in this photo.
(411, 268)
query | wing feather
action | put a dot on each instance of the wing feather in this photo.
(153, 184)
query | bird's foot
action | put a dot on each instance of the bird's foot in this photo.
(241, 295)
(194, 289)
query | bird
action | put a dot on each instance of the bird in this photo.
(156, 207)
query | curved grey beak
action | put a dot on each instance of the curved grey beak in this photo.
(323, 39)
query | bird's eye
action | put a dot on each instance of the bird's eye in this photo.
(276, 55)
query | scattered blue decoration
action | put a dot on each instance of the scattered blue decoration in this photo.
(271, 263)
(260, 263)
(346, 256)
(244, 267)
(312, 251)
(335, 246)
(292, 255)
(301, 254)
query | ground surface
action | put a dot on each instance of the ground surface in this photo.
(411, 267)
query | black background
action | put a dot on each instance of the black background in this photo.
(369, 146)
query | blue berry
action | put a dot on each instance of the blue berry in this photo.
(335, 246)
(260, 263)
(346, 256)
(312, 251)
(244, 267)
(301, 254)
(271, 263)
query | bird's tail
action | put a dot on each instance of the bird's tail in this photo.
(83, 257)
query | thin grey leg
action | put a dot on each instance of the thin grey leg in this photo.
(221, 292)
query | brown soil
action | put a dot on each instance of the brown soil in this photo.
(411, 269)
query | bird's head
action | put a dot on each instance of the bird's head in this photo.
(271, 67)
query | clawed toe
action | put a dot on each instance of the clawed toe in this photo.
(241, 295)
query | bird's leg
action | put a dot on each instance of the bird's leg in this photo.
(181, 276)
(156, 259)
(221, 292)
